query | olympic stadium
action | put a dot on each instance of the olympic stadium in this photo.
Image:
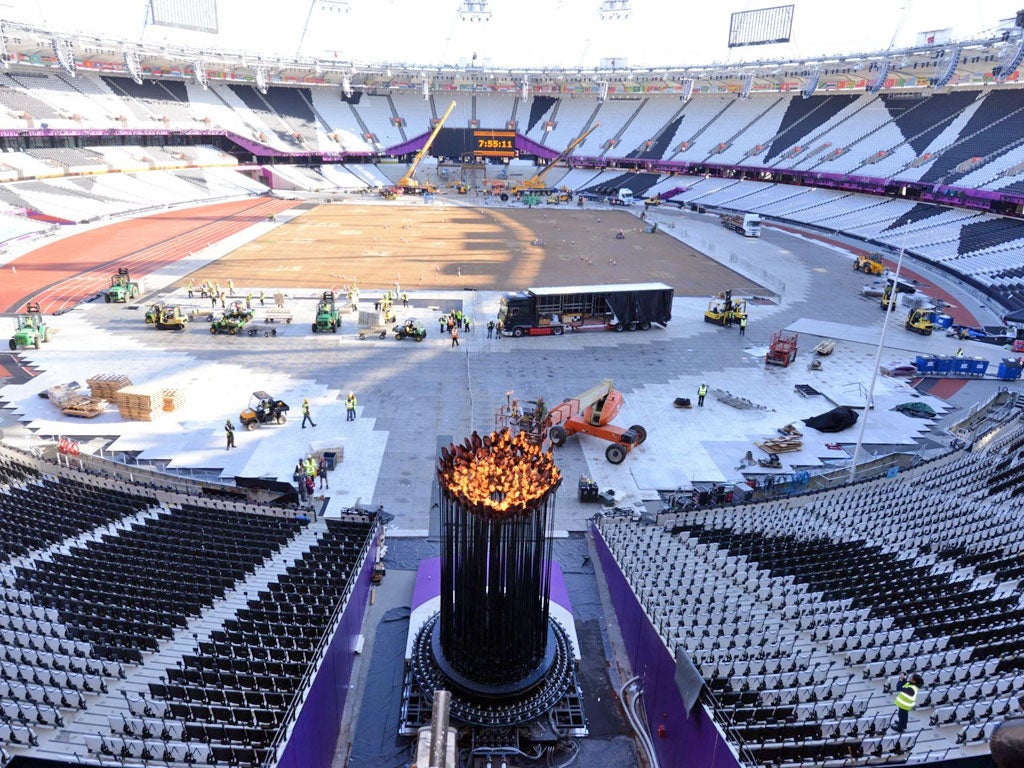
(464, 414)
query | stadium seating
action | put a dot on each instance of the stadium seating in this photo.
(99, 577)
(800, 613)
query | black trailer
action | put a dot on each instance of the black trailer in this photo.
(553, 311)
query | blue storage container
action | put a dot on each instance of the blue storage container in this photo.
(978, 366)
(961, 366)
(943, 321)
(926, 363)
(1009, 369)
(944, 365)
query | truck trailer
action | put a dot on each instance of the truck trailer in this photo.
(747, 224)
(553, 311)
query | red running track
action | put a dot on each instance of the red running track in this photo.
(65, 272)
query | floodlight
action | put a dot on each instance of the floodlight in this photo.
(64, 54)
(475, 10)
(614, 10)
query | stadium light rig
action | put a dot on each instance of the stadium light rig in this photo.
(615, 10)
(63, 53)
(346, 86)
(475, 10)
(524, 88)
(199, 73)
(261, 79)
(132, 64)
(426, 88)
(3, 50)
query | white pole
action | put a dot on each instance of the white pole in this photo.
(893, 295)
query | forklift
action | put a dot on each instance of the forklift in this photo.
(921, 321)
(723, 310)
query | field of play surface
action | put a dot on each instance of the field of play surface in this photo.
(495, 249)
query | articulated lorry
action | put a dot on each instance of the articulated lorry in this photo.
(553, 311)
(747, 224)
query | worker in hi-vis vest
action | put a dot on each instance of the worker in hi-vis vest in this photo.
(906, 698)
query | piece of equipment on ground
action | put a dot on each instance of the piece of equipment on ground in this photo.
(30, 329)
(328, 316)
(724, 310)
(122, 287)
(782, 350)
(263, 409)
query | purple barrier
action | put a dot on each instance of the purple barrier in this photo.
(531, 147)
(412, 145)
(693, 742)
(315, 733)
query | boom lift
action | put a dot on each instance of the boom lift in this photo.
(588, 413)
(407, 183)
(536, 182)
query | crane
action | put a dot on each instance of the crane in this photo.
(537, 181)
(407, 183)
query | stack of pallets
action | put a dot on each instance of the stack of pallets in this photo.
(174, 399)
(139, 404)
(106, 385)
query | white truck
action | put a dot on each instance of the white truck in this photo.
(747, 224)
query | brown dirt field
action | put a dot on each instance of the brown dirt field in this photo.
(427, 247)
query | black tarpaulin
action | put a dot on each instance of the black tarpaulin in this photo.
(638, 306)
(836, 420)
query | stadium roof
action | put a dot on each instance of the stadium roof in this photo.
(934, 61)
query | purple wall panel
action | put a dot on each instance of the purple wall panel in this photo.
(693, 742)
(315, 733)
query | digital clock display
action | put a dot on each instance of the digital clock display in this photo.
(494, 143)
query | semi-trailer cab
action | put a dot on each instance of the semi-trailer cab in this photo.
(553, 311)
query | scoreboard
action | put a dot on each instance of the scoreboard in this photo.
(465, 143)
(493, 143)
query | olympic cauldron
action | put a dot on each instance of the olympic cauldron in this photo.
(493, 643)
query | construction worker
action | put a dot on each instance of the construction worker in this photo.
(490, 329)
(702, 390)
(262, 297)
(191, 287)
(498, 328)
(321, 472)
(465, 324)
(248, 300)
(959, 351)
(231, 287)
(442, 321)
(458, 318)
(405, 299)
(743, 325)
(305, 413)
(350, 406)
(299, 476)
(229, 433)
(906, 698)
(455, 336)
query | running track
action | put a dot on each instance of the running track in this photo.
(65, 272)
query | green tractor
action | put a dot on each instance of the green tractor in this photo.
(328, 316)
(121, 289)
(153, 313)
(30, 329)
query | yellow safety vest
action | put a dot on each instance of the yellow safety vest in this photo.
(350, 401)
(701, 391)
(904, 700)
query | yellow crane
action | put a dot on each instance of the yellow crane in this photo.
(537, 182)
(407, 183)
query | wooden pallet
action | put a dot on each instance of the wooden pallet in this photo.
(173, 400)
(780, 444)
(83, 407)
(106, 385)
(139, 404)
